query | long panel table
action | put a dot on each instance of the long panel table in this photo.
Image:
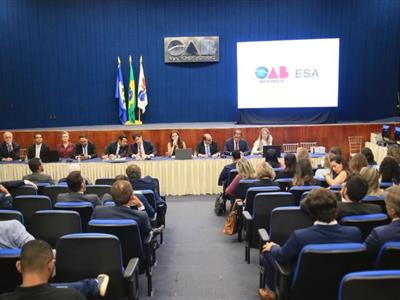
(196, 176)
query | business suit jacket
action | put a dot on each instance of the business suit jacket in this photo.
(32, 150)
(91, 149)
(223, 176)
(230, 146)
(148, 208)
(5, 201)
(38, 177)
(123, 212)
(357, 208)
(14, 153)
(78, 197)
(147, 183)
(112, 148)
(382, 234)
(201, 149)
(148, 148)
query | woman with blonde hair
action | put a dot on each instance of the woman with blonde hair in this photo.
(357, 162)
(302, 153)
(371, 175)
(175, 142)
(264, 139)
(245, 171)
(65, 148)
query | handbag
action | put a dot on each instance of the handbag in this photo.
(219, 205)
(230, 227)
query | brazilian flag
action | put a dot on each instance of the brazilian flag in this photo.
(131, 95)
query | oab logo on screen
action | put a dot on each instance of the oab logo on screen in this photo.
(282, 73)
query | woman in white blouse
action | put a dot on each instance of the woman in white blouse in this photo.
(264, 139)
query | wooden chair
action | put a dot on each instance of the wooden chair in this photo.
(308, 145)
(355, 145)
(290, 148)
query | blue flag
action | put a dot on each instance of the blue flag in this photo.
(120, 95)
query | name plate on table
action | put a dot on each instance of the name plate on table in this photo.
(191, 49)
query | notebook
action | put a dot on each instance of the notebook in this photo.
(50, 156)
(183, 153)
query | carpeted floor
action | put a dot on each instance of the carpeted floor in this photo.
(197, 261)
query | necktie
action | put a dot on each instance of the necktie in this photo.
(208, 150)
(9, 148)
(236, 145)
(85, 150)
(140, 149)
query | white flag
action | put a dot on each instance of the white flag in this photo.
(142, 91)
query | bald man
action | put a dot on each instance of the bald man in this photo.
(207, 147)
(9, 150)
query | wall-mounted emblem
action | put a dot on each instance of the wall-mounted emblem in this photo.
(191, 49)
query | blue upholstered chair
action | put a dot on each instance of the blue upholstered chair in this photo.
(9, 214)
(10, 278)
(389, 256)
(365, 222)
(85, 210)
(28, 205)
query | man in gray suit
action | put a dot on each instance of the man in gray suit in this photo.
(37, 176)
(77, 187)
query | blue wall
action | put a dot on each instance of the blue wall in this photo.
(58, 57)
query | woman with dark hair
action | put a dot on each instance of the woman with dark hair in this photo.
(336, 150)
(369, 156)
(304, 173)
(271, 157)
(357, 162)
(175, 142)
(290, 166)
(389, 170)
(339, 171)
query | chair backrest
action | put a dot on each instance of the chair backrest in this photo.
(52, 191)
(320, 268)
(284, 183)
(242, 187)
(290, 148)
(85, 210)
(385, 185)
(365, 222)
(23, 190)
(264, 203)
(379, 200)
(107, 181)
(355, 144)
(10, 278)
(298, 191)
(253, 191)
(127, 232)
(284, 220)
(98, 189)
(9, 214)
(50, 225)
(370, 285)
(308, 145)
(389, 256)
(150, 197)
(28, 205)
(86, 255)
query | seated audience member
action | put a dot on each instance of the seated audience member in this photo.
(245, 171)
(271, 157)
(302, 153)
(122, 194)
(394, 151)
(84, 149)
(355, 188)
(323, 207)
(37, 265)
(117, 149)
(5, 198)
(38, 148)
(65, 148)
(13, 234)
(336, 150)
(339, 171)
(77, 187)
(264, 139)
(389, 170)
(142, 149)
(74, 167)
(304, 174)
(290, 162)
(175, 142)
(326, 167)
(387, 233)
(266, 174)
(207, 147)
(223, 176)
(37, 176)
(9, 150)
(369, 156)
(357, 162)
(236, 143)
(371, 176)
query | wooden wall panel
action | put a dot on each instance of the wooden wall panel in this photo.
(324, 135)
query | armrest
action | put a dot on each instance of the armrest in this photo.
(264, 236)
(154, 218)
(247, 216)
(149, 238)
(282, 270)
(132, 267)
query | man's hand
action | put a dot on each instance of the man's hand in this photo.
(136, 201)
(215, 155)
(267, 247)
(4, 190)
(7, 159)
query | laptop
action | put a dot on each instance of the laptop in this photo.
(278, 150)
(50, 156)
(183, 154)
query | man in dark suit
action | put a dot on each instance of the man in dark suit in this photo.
(37, 176)
(117, 149)
(9, 150)
(5, 198)
(207, 147)
(84, 149)
(142, 149)
(77, 187)
(387, 233)
(38, 148)
(323, 207)
(223, 177)
(122, 194)
(236, 143)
